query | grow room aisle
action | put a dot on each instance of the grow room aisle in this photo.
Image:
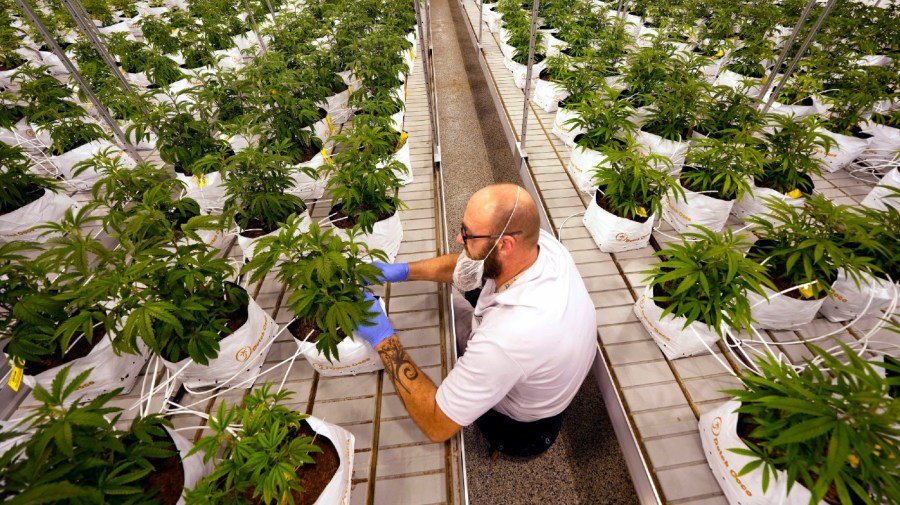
(654, 403)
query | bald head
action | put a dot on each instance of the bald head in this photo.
(495, 203)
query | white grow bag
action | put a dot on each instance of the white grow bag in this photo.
(206, 189)
(746, 85)
(883, 147)
(669, 333)
(520, 72)
(613, 233)
(582, 164)
(880, 196)
(754, 204)
(356, 356)
(547, 95)
(845, 149)
(110, 371)
(676, 151)
(241, 354)
(193, 465)
(21, 134)
(565, 132)
(403, 156)
(695, 209)
(64, 163)
(338, 488)
(781, 312)
(847, 300)
(386, 235)
(305, 186)
(718, 434)
(338, 106)
(24, 223)
(248, 244)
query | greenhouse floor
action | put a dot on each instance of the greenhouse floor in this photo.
(635, 399)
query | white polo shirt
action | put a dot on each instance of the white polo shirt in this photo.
(531, 346)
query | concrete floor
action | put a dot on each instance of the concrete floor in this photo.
(474, 149)
(585, 465)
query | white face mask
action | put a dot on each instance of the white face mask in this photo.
(469, 273)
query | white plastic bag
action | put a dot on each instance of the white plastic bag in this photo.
(65, 162)
(338, 488)
(848, 300)
(880, 196)
(553, 46)
(248, 244)
(566, 132)
(406, 177)
(305, 186)
(746, 85)
(241, 354)
(582, 164)
(669, 333)
(23, 223)
(883, 147)
(520, 72)
(110, 371)
(754, 203)
(844, 150)
(650, 143)
(23, 134)
(338, 107)
(386, 235)
(356, 356)
(193, 465)
(781, 312)
(718, 434)
(547, 95)
(695, 209)
(613, 233)
(206, 189)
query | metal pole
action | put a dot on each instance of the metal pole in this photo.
(787, 46)
(262, 44)
(480, 23)
(70, 67)
(83, 20)
(426, 61)
(271, 9)
(815, 29)
(534, 18)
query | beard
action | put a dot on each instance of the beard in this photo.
(491, 266)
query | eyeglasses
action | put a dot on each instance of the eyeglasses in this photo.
(466, 237)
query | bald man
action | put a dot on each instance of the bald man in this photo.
(533, 335)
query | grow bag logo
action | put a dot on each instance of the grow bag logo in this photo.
(716, 428)
(244, 353)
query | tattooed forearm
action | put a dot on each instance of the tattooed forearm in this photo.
(398, 364)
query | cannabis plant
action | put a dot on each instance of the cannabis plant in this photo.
(808, 245)
(326, 277)
(729, 109)
(20, 185)
(74, 453)
(723, 168)
(790, 145)
(706, 278)
(631, 186)
(830, 425)
(604, 117)
(261, 457)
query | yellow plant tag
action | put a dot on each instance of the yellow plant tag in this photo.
(807, 290)
(642, 212)
(412, 54)
(15, 379)
(402, 141)
(764, 79)
(720, 53)
(795, 194)
(349, 90)
(330, 123)
(327, 156)
(201, 180)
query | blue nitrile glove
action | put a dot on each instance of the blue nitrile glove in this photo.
(392, 272)
(379, 328)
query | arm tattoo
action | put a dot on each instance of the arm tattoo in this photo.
(398, 364)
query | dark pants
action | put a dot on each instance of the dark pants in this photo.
(517, 438)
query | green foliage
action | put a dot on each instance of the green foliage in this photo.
(183, 139)
(261, 457)
(256, 187)
(706, 278)
(325, 274)
(789, 151)
(158, 34)
(834, 426)
(808, 245)
(679, 100)
(604, 117)
(729, 109)
(20, 185)
(75, 454)
(71, 133)
(631, 184)
(724, 167)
